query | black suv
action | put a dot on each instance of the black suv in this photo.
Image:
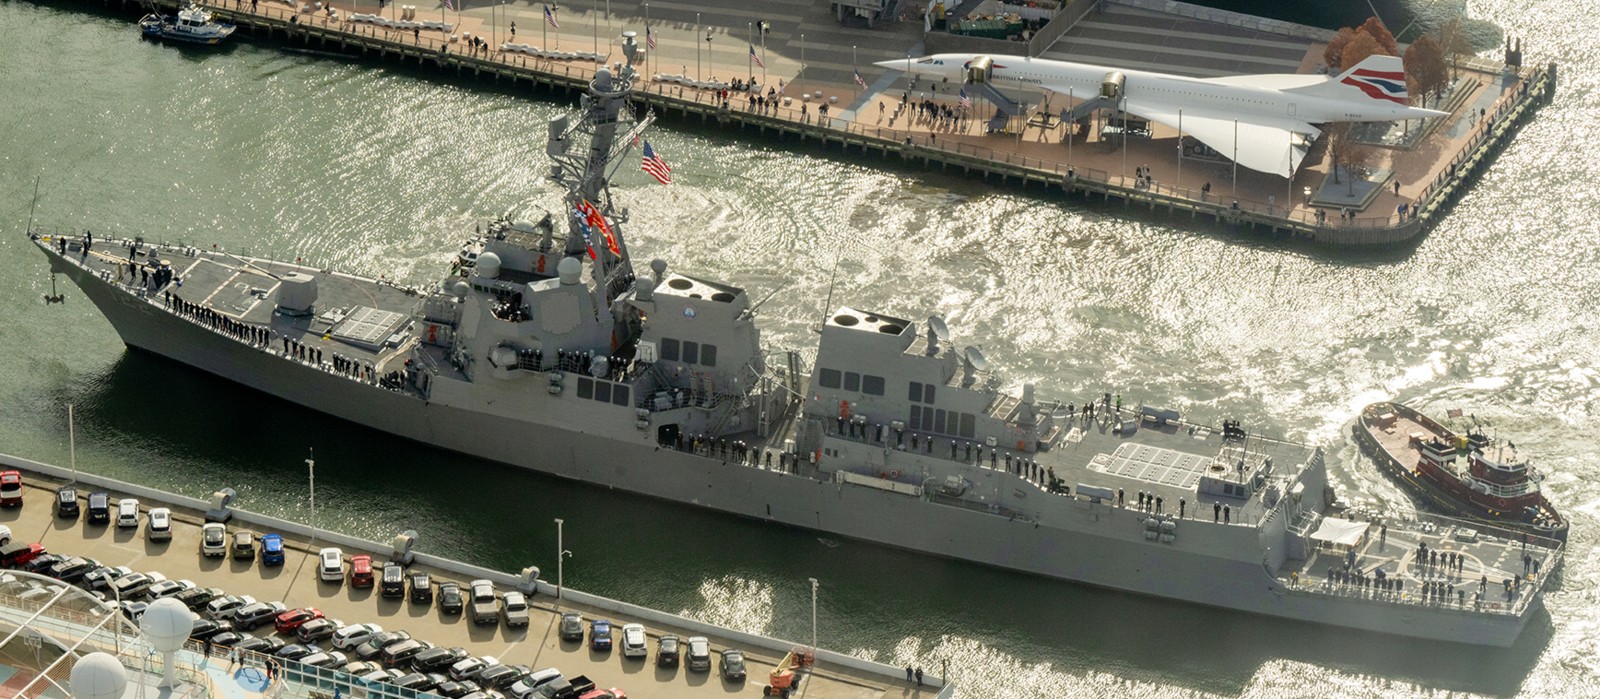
(67, 502)
(421, 588)
(99, 508)
(394, 580)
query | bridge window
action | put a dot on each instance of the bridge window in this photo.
(669, 350)
(829, 378)
(691, 352)
(872, 385)
(916, 392)
(602, 391)
(585, 387)
(852, 381)
(708, 355)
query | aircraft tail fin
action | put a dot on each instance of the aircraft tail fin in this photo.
(1378, 77)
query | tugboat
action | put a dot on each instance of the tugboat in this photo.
(1496, 485)
(193, 24)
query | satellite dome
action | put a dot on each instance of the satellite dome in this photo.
(167, 623)
(489, 265)
(460, 289)
(569, 270)
(99, 676)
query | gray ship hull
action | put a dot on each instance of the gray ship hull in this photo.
(1077, 541)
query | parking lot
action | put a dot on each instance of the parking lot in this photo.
(296, 584)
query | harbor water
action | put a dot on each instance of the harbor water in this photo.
(383, 170)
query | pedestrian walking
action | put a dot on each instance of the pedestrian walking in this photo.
(919, 677)
(908, 673)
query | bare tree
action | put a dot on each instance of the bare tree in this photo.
(1453, 40)
(1427, 73)
(1346, 154)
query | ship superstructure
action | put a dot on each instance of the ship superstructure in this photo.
(544, 347)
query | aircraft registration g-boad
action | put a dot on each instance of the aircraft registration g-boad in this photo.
(1264, 122)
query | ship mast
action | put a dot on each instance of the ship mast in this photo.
(604, 108)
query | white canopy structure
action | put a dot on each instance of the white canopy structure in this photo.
(1340, 532)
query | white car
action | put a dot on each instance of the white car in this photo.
(355, 635)
(330, 565)
(214, 539)
(633, 641)
(127, 513)
(159, 528)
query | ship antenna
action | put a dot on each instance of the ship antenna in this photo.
(832, 276)
(34, 205)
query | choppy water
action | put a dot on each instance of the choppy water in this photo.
(381, 171)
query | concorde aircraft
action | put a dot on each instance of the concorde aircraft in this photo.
(1264, 122)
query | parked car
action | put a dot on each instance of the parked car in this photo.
(437, 659)
(330, 565)
(450, 598)
(11, 488)
(42, 562)
(206, 628)
(355, 635)
(374, 646)
(483, 606)
(67, 502)
(633, 645)
(72, 569)
(292, 619)
(271, 549)
(325, 659)
(400, 654)
(415, 681)
(496, 676)
(699, 654)
(571, 626)
(394, 580)
(134, 610)
(600, 634)
(196, 597)
(667, 651)
(213, 537)
(244, 546)
(99, 508)
(102, 577)
(527, 685)
(127, 513)
(317, 630)
(456, 690)
(133, 586)
(732, 665)
(225, 639)
(361, 571)
(264, 645)
(252, 616)
(514, 608)
(468, 668)
(223, 607)
(421, 588)
(295, 651)
(169, 588)
(360, 667)
(612, 693)
(384, 676)
(159, 528)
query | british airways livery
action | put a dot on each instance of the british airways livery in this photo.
(1264, 122)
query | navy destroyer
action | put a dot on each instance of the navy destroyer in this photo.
(544, 347)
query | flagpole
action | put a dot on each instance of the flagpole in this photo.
(763, 54)
(855, 68)
(1180, 147)
(697, 47)
(1236, 160)
(750, 42)
(802, 57)
(647, 36)
(544, 30)
(1072, 127)
(594, 25)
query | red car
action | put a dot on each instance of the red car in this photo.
(288, 621)
(361, 571)
(10, 488)
(17, 554)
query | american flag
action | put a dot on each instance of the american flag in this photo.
(965, 100)
(649, 37)
(654, 165)
(859, 81)
(1454, 412)
(756, 58)
(550, 18)
(449, 6)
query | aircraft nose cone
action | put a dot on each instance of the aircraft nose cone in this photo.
(897, 64)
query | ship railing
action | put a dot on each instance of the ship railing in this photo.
(1494, 601)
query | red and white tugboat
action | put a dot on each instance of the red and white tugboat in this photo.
(1492, 483)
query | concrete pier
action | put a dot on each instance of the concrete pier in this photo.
(811, 60)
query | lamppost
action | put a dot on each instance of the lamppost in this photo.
(561, 557)
(311, 472)
(813, 617)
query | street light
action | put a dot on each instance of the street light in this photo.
(311, 471)
(561, 557)
(813, 617)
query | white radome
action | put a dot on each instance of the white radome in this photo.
(99, 676)
(167, 624)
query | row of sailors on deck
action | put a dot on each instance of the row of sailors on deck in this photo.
(1435, 559)
(243, 332)
(733, 450)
